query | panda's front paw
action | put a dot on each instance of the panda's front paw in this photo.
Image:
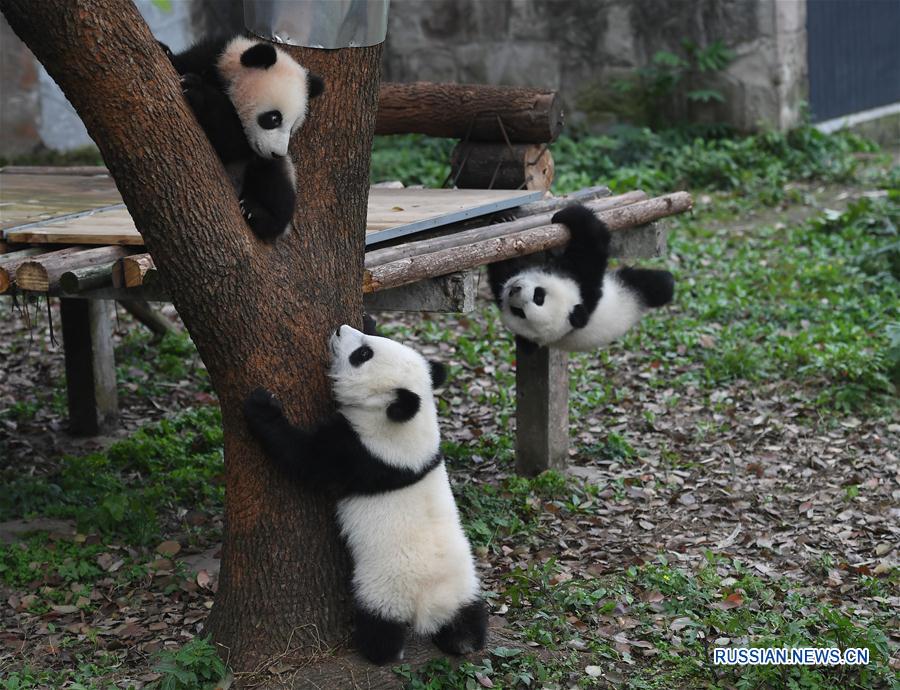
(261, 407)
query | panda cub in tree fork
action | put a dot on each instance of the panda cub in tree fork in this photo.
(572, 302)
(412, 562)
(249, 97)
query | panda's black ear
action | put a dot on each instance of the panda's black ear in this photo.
(579, 316)
(314, 85)
(438, 374)
(370, 325)
(404, 407)
(261, 55)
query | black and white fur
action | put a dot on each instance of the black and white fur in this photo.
(249, 97)
(412, 561)
(572, 302)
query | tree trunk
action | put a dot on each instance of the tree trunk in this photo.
(284, 570)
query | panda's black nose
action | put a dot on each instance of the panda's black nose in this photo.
(338, 332)
(276, 156)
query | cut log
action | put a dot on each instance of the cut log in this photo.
(42, 273)
(135, 268)
(460, 258)
(496, 165)
(383, 256)
(470, 112)
(87, 278)
(10, 262)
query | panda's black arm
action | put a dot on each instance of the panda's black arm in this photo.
(327, 455)
(586, 255)
(284, 443)
(268, 196)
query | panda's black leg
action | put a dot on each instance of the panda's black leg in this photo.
(268, 196)
(378, 639)
(466, 632)
(656, 287)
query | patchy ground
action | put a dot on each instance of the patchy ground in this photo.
(734, 479)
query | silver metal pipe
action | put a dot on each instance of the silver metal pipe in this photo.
(318, 23)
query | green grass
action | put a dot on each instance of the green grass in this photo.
(87, 673)
(123, 492)
(811, 302)
(755, 167)
(679, 614)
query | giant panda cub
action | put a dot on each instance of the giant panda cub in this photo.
(412, 564)
(250, 97)
(572, 302)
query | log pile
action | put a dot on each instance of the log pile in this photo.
(76, 270)
(504, 131)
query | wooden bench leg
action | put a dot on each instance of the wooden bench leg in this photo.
(542, 410)
(90, 365)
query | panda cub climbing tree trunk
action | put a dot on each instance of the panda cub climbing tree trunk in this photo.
(250, 97)
(412, 562)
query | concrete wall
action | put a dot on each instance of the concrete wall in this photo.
(580, 46)
(34, 112)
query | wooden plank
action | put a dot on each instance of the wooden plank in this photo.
(90, 365)
(26, 198)
(91, 170)
(111, 225)
(542, 409)
(391, 213)
(400, 212)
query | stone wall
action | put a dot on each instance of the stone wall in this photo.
(575, 46)
(580, 46)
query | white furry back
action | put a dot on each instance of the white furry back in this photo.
(412, 561)
(618, 310)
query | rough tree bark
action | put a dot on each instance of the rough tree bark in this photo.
(284, 570)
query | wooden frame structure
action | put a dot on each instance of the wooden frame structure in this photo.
(436, 272)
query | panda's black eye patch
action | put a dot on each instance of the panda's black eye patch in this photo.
(539, 295)
(518, 311)
(270, 120)
(361, 354)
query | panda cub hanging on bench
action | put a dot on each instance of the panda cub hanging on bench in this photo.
(572, 302)
(250, 97)
(412, 564)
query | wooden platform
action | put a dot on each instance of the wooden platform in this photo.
(85, 208)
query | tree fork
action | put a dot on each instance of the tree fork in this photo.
(284, 570)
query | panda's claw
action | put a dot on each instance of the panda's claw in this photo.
(262, 406)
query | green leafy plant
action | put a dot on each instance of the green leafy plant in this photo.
(195, 666)
(670, 83)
